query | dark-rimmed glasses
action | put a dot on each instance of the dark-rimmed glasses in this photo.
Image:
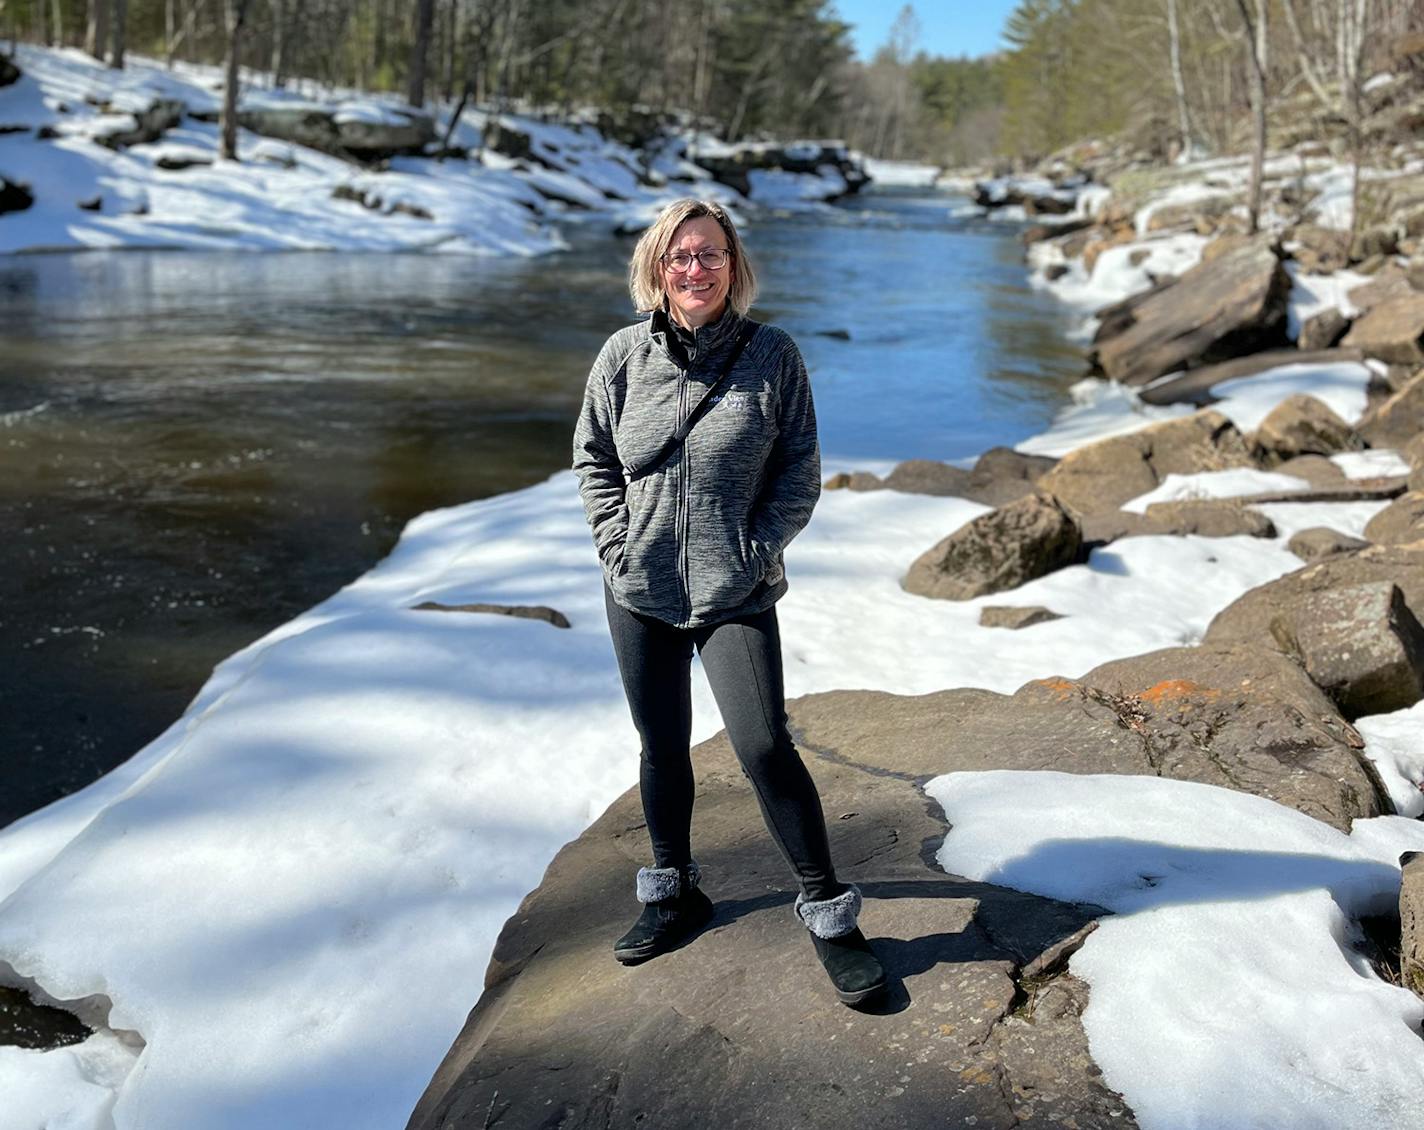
(711, 258)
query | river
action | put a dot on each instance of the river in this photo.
(195, 447)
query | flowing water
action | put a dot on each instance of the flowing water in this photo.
(195, 447)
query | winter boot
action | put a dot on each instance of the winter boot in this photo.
(674, 909)
(854, 969)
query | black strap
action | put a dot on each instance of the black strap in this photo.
(743, 338)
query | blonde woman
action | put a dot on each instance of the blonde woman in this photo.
(697, 460)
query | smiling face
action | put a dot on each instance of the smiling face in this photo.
(697, 296)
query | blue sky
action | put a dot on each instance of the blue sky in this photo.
(947, 27)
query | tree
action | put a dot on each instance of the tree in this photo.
(420, 52)
(96, 37)
(236, 12)
(120, 33)
(1255, 36)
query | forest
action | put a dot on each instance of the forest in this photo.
(1173, 76)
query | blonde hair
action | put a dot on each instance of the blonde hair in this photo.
(645, 282)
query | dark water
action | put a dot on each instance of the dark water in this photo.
(195, 447)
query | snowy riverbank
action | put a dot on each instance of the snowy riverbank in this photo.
(58, 120)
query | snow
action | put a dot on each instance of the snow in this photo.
(1340, 385)
(1314, 294)
(1395, 743)
(1226, 991)
(1231, 483)
(902, 174)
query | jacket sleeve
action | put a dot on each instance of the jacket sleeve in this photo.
(793, 473)
(599, 470)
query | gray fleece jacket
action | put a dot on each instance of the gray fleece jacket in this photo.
(699, 538)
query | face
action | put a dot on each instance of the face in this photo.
(696, 296)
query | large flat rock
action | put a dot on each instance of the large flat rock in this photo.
(739, 1028)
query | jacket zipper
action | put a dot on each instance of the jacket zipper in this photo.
(684, 506)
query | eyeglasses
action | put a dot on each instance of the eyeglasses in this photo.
(711, 258)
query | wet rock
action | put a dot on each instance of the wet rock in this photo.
(1323, 330)
(1411, 921)
(1359, 643)
(1392, 331)
(1000, 550)
(149, 125)
(1006, 616)
(1399, 523)
(14, 197)
(520, 611)
(1209, 518)
(1316, 470)
(1320, 542)
(732, 1028)
(1399, 419)
(1103, 475)
(1227, 307)
(1303, 425)
(1194, 386)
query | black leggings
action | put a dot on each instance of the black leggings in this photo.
(742, 658)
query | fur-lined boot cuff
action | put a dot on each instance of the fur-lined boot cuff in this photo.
(830, 918)
(655, 884)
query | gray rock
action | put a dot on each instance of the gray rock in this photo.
(1303, 425)
(1006, 463)
(520, 611)
(9, 73)
(1399, 523)
(1106, 526)
(1323, 330)
(174, 164)
(1209, 518)
(407, 132)
(1400, 418)
(734, 1029)
(928, 476)
(1103, 475)
(1411, 921)
(1000, 476)
(149, 125)
(1195, 385)
(1250, 616)
(1359, 643)
(1006, 616)
(1392, 331)
(14, 197)
(1316, 470)
(1232, 305)
(1000, 550)
(1320, 542)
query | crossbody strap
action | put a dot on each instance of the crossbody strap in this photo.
(670, 445)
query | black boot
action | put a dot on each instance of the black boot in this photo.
(855, 971)
(674, 909)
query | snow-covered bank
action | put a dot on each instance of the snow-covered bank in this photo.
(175, 191)
(319, 854)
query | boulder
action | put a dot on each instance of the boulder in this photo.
(1006, 463)
(1006, 616)
(1303, 425)
(1103, 475)
(928, 476)
(1392, 331)
(519, 611)
(1320, 542)
(1117, 316)
(999, 550)
(9, 73)
(1323, 330)
(1413, 452)
(14, 197)
(1230, 306)
(1316, 470)
(1399, 523)
(1187, 214)
(1001, 475)
(1374, 241)
(1390, 282)
(1411, 921)
(403, 130)
(739, 1026)
(1195, 385)
(149, 125)
(1360, 644)
(1209, 518)
(1321, 251)
(1399, 419)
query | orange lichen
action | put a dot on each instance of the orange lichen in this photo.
(1061, 687)
(1176, 689)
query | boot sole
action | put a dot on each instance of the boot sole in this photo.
(860, 996)
(636, 955)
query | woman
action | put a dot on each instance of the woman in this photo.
(697, 461)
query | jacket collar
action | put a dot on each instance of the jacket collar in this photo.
(679, 343)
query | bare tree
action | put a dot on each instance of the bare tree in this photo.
(236, 11)
(1258, 111)
(1174, 48)
(120, 34)
(96, 36)
(420, 52)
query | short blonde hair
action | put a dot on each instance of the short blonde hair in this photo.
(645, 282)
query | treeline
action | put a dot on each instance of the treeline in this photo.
(1185, 74)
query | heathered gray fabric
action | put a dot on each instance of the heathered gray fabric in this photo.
(699, 539)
